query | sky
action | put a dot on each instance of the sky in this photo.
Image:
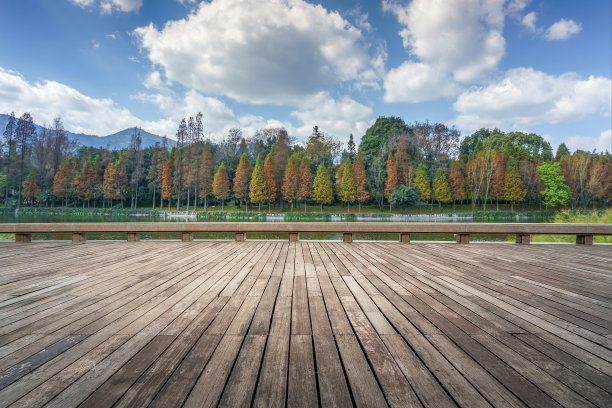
(517, 65)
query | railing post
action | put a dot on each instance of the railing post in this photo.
(79, 237)
(293, 237)
(133, 237)
(523, 239)
(347, 237)
(187, 236)
(584, 239)
(23, 238)
(405, 238)
(240, 237)
(463, 238)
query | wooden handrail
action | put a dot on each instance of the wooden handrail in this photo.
(584, 232)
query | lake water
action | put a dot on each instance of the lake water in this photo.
(11, 217)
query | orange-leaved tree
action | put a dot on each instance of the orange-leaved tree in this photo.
(221, 185)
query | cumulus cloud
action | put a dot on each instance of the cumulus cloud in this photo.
(109, 6)
(258, 52)
(563, 29)
(529, 21)
(463, 37)
(602, 143)
(338, 118)
(418, 82)
(526, 97)
(47, 99)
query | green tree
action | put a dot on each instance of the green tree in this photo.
(404, 196)
(378, 135)
(323, 192)
(347, 187)
(258, 187)
(555, 192)
(562, 150)
(514, 190)
(421, 183)
(441, 189)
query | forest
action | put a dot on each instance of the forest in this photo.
(395, 166)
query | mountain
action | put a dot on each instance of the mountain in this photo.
(116, 141)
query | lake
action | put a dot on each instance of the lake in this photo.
(75, 215)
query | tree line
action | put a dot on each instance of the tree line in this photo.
(395, 165)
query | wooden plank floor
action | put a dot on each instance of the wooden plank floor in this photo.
(269, 324)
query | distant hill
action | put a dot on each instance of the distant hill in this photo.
(116, 141)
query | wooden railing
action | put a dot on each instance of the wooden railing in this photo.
(584, 232)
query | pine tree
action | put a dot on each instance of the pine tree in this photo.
(351, 146)
(347, 188)
(241, 179)
(457, 182)
(271, 184)
(258, 187)
(221, 184)
(30, 188)
(167, 188)
(441, 189)
(323, 192)
(514, 190)
(291, 180)
(421, 183)
(391, 182)
(305, 188)
(361, 180)
(205, 175)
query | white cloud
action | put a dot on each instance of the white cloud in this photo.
(418, 82)
(47, 99)
(338, 118)
(133, 59)
(562, 30)
(529, 21)
(109, 6)
(463, 37)
(527, 97)
(602, 143)
(95, 44)
(275, 52)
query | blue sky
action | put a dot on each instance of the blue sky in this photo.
(105, 65)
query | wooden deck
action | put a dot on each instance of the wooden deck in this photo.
(268, 324)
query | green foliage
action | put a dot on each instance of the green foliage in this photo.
(258, 187)
(514, 190)
(404, 196)
(514, 144)
(421, 183)
(555, 192)
(323, 192)
(347, 186)
(441, 189)
(378, 135)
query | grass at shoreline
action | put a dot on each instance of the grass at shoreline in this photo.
(598, 217)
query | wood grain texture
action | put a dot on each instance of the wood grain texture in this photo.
(277, 324)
